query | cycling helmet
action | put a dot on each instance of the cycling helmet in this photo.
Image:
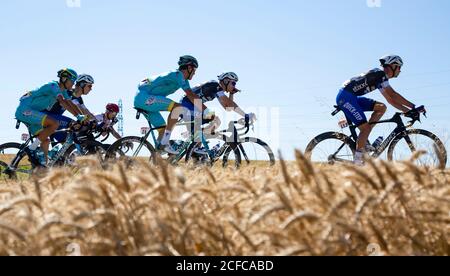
(68, 73)
(85, 79)
(188, 60)
(112, 107)
(229, 75)
(391, 60)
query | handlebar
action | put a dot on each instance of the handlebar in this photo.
(414, 114)
(232, 127)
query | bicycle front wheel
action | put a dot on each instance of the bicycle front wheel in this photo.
(331, 148)
(90, 148)
(254, 152)
(406, 144)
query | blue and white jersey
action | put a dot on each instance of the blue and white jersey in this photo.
(367, 82)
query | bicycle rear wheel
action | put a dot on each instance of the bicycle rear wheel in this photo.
(331, 148)
(21, 167)
(233, 160)
(406, 144)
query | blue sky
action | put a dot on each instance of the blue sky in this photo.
(291, 55)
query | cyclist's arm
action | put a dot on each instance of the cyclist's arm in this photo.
(69, 106)
(198, 103)
(86, 112)
(230, 105)
(396, 100)
(115, 133)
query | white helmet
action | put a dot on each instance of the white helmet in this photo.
(229, 75)
(85, 79)
(391, 60)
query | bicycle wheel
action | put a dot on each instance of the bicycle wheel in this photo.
(20, 168)
(254, 152)
(91, 148)
(408, 142)
(331, 148)
(130, 150)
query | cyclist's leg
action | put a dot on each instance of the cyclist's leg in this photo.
(149, 104)
(156, 120)
(40, 125)
(349, 104)
(63, 123)
(379, 109)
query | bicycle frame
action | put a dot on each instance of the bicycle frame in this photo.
(396, 119)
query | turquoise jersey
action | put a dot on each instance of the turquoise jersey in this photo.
(164, 85)
(43, 98)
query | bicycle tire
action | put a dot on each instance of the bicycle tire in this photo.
(244, 157)
(329, 136)
(440, 148)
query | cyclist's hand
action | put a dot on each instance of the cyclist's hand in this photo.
(421, 109)
(82, 119)
(413, 114)
(251, 117)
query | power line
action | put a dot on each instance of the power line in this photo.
(120, 118)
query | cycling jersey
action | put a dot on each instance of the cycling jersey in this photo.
(367, 82)
(43, 98)
(153, 92)
(104, 122)
(34, 106)
(206, 92)
(164, 85)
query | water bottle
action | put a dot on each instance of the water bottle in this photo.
(177, 144)
(215, 149)
(54, 151)
(40, 156)
(378, 142)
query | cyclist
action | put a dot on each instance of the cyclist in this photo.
(350, 99)
(208, 92)
(152, 97)
(107, 120)
(83, 87)
(34, 104)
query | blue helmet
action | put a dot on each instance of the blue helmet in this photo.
(68, 73)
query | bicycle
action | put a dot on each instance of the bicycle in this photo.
(402, 143)
(132, 148)
(24, 162)
(253, 150)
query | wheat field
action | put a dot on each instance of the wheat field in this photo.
(294, 208)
